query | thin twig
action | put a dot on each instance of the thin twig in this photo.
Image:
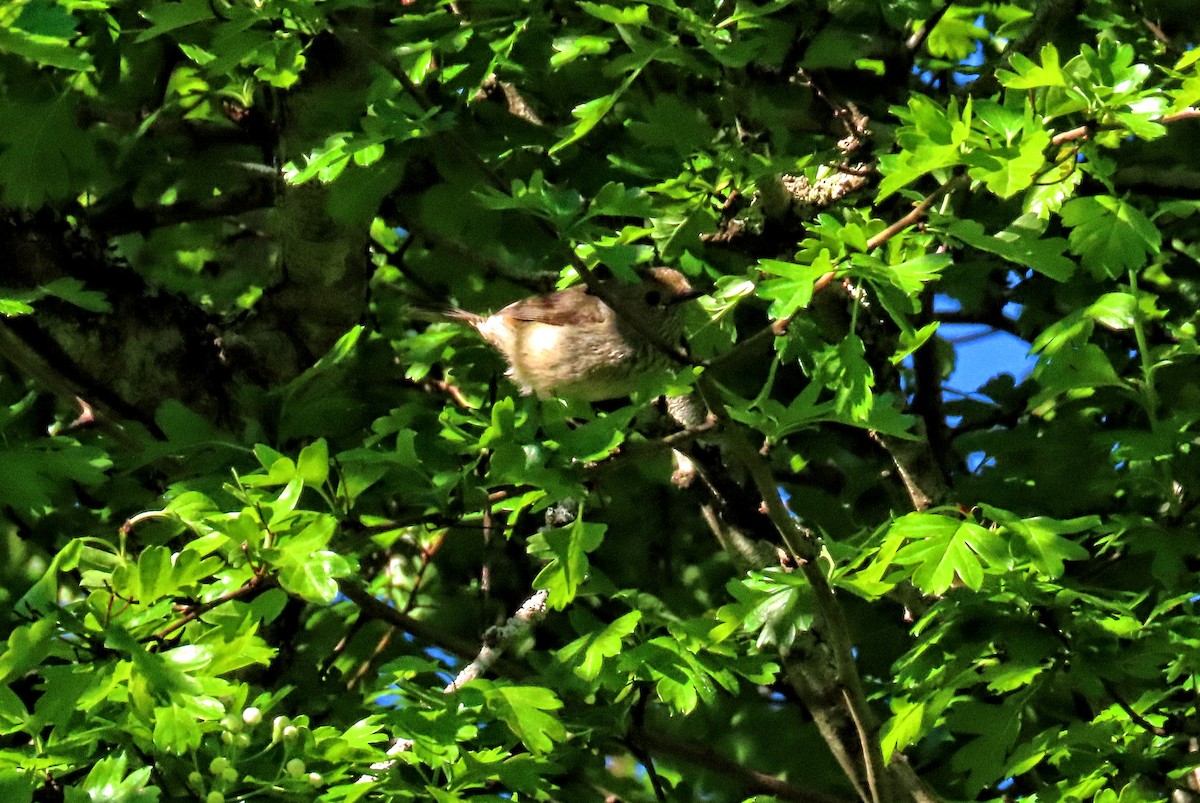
(1078, 132)
(918, 211)
(258, 582)
(377, 609)
(865, 744)
(845, 113)
(1186, 114)
(915, 41)
(1134, 716)
(386, 639)
(364, 669)
(1158, 33)
(634, 743)
(1086, 130)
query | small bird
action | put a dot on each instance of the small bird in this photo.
(572, 345)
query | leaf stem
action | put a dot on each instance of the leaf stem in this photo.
(1149, 394)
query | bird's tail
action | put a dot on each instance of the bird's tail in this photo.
(440, 314)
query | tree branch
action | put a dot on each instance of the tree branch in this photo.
(498, 639)
(756, 782)
(43, 373)
(865, 764)
(377, 609)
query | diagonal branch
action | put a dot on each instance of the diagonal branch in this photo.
(29, 362)
(377, 609)
(496, 640)
(862, 760)
(915, 41)
(756, 782)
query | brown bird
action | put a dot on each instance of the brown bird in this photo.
(572, 345)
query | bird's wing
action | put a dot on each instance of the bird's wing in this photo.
(573, 306)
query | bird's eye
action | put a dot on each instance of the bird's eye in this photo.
(653, 298)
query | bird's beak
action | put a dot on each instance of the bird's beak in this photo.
(690, 295)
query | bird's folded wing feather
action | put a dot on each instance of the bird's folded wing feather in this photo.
(570, 307)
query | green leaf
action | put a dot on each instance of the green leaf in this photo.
(45, 18)
(1112, 236)
(677, 234)
(1114, 310)
(44, 155)
(633, 14)
(46, 51)
(169, 15)
(983, 759)
(911, 275)
(183, 426)
(1083, 367)
(305, 567)
(777, 421)
(942, 548)
(1020, 246)
(312, 466)
(42, 596)
(670, 123)
(1007, 171)
(912, 340)
(955, 35)
(11, 307)
(15, 787)
(1043, 537)
(14, 716)
(903, 728)
(155, 573)
(588, 115)
(587, 653)
(773, 605)
(63, 688)
(524, 709)
(108, 781)
(793, 289)
(569, 566)
(843, 368)
(836, 47)
(616, 199)
(932, 138)
(71, 290)
(570, 48)
(40, 472)
(681, 679)
(597, 439)
(28, 645)
(1027, 75)
(1049, 549)
(175, 730)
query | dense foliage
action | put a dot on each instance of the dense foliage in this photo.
(271, 533)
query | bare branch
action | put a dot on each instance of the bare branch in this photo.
(497, 639)
(495, 642)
